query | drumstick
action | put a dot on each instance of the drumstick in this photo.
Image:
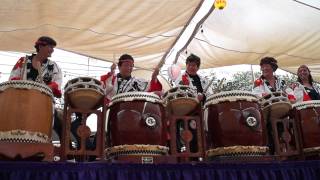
(156, 68)
(113, 62)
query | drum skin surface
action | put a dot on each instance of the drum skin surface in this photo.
(227, 125)
(26, 109)
(127, 123)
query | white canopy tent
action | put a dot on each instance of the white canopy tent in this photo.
(146, 29)
(242, 33)
(246, 30)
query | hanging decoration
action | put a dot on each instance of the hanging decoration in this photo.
(174, 72)
(220, 4)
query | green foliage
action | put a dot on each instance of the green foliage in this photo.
(244, 81)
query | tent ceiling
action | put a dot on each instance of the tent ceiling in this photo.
(246, 30)
(98, 28)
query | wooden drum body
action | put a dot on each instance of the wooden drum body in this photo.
(307, 115)
(26, 112)
(137, 126)
(234, 125)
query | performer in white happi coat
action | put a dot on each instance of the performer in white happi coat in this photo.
(192, 79)
(124, 82)
(268, 82)
(304, 89)
(29, 68)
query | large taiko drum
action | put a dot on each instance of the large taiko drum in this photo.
(234, 125)
(136, 125)
(84, 92)
(181, 100)
(275, 105)
(26, 112)
(307, 115)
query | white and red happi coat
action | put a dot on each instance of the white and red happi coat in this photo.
(262, 88)
(301, 93)
(112, 87)
(186, 80)
(51, 73)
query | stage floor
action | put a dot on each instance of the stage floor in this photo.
(203, 171)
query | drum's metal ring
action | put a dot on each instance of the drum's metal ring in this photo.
(82, 80)
(272, 99)
(135, 96)
(84, 85)
(311, 150)
(19, 135)
(136, 149)
(237, 151)
(231, 96)
(24, 84)
(306, 104)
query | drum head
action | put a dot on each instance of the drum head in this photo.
(277, 110)
(84, 98)
(183, 106)
(84, 92)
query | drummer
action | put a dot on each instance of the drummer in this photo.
(304, 89)
(192, 79)
(268, 82)
(28, 68)
(125, 82)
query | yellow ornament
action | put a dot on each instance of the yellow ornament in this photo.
(220, 4)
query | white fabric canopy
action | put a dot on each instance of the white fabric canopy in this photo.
(103, 29)
(247, 30)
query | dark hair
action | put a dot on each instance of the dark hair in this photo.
(123, 58)
(43, 41)
(193, 58)
(270, 60)
(310, 76)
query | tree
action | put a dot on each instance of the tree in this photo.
(243, 81)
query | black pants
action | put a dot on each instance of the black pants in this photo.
(57, 127)
(74, 126)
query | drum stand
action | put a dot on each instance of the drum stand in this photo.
(187, 136)
(82, 153)
(286, 137)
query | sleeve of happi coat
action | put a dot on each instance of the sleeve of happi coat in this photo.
(17, 70)
(56, 81)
